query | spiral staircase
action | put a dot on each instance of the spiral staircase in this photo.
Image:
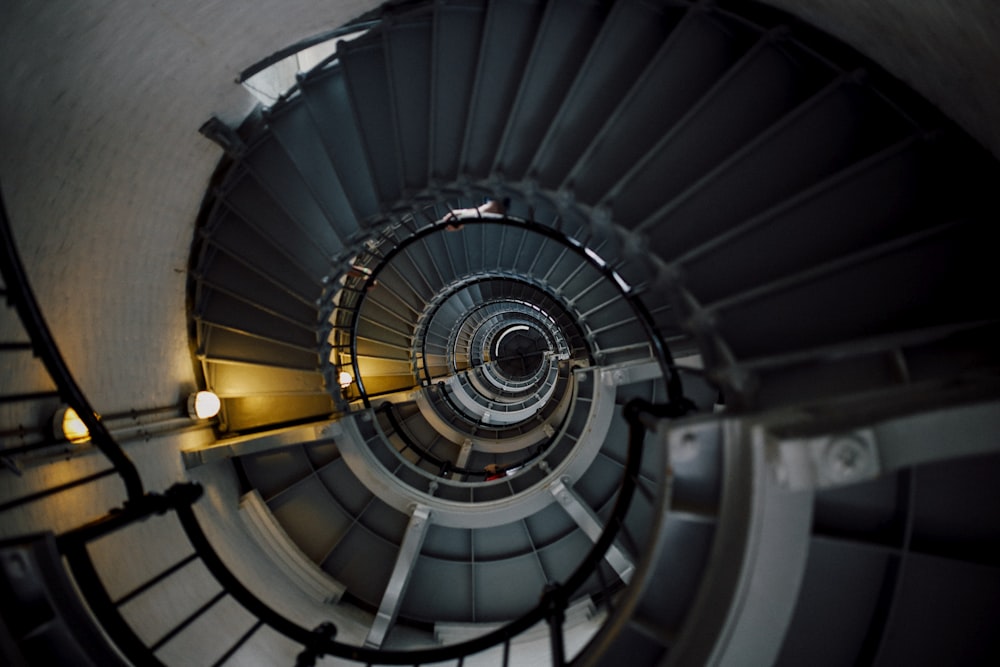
(493, 269)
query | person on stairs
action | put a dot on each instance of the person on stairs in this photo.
(493, 471)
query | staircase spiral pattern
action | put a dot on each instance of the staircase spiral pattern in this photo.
(698, 198)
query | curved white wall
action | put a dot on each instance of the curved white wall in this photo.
(103, 169)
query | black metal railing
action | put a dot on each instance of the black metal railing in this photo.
(43, 346)
(179, 500)
(446, 466)
(551, 607)
(657, 345)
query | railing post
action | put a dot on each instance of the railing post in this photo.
(324, 632)
(555, 616)
(44, 345)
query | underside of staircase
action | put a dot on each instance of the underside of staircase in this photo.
(436, 282)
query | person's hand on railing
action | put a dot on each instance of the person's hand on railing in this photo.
(361, 273)
(494, 471)
(491, 206)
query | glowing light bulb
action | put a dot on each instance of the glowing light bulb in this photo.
(203, 405)
(344, 379)
(73, 428)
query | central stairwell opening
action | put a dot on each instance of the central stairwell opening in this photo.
(577, 332)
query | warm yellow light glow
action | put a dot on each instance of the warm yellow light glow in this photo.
(344, 379)
(204, 405)
(73, 428)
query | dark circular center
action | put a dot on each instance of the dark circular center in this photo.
(520, 352)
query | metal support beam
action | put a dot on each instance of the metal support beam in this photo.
(463, 457)
(360, 457)
(747, 596)
(630, 372)
(774, 463)
(413, 540)
(591, 526)
(223, 135)
(862, 453)
(262, 525)
(260, 442)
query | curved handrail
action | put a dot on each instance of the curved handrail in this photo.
(492, 276)
(44, 346)
(442, 389)
(302, 45)
(516, 411)
(675, 390)
(388, 409)
(551, 607)
(512, 400)
(512, 391)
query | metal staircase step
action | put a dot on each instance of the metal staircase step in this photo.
(923, 265)
(458, 26)
(763, 85)
(843, 212)
(258, 209)
(364, 63)
(293, 127)
(691, 59)
(224, 311)
(823, 135)
(222, 345)
(227, 275)
(561, 44)
(508, 36)
(327, 100)
(408, 40)
(262, 255)
(276, 174)
(629, 37)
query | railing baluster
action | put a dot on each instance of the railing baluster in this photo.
(16, 281)
(557, 640)
(139, 590)
(626, 536)
(17, 502)
(243, 639)
(28, 396)
(319, 641)
(605, 589)
(187, 621)
(41, 444)
(86, 577)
